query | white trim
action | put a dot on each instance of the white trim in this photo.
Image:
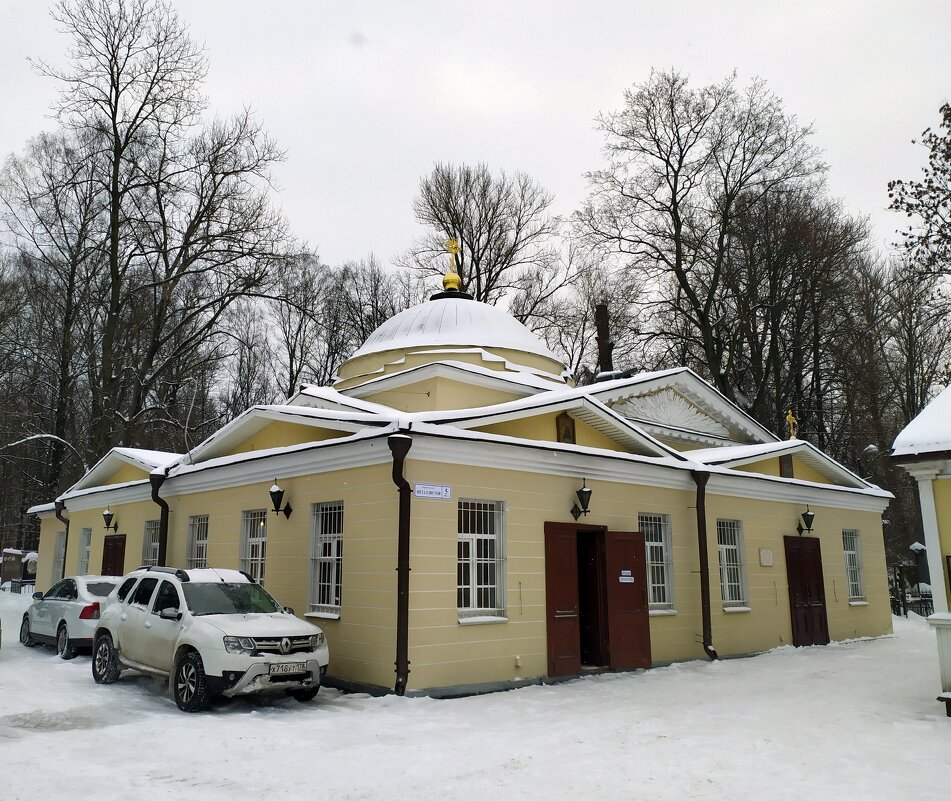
(481, 620)
(858, 603)
(699, 392)
(662, 612)
(323, 615)
(733, 609)
(929, 521)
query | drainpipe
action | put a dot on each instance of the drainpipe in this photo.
(59, 507)
(400, 445)
(156, 480)
(700, 478)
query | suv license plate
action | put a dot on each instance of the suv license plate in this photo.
(287, 667)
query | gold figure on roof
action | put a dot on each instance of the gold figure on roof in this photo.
(451, 281)
(791, 423)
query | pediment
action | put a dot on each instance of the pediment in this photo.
(668, 408)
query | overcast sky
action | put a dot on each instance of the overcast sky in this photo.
(366, 96)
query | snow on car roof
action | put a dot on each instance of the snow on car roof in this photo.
(217, 574)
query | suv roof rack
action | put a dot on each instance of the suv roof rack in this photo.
(180, 574)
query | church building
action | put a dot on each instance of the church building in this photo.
(457, 516)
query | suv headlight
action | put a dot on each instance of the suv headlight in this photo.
(317, 641)
(239, 645)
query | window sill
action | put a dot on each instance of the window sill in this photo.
(858, 603)
(323, 615)
(662, 612)
(478, 620)
(734, 609)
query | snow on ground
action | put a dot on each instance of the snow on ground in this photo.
(854, 720)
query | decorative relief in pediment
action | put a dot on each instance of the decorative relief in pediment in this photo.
(669, 408)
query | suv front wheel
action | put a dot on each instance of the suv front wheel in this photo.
(105, 660)
(189, 685)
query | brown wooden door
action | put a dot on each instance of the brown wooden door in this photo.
(113, 555)
(561, 600)
(807, 598)
(629, 634)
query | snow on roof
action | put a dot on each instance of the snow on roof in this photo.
(41, 508)
(150, 459)
(330, 398)
(737, 455)
(252, 420)
(732, 453)
(929, 432)
(512, 378)
(453, 321)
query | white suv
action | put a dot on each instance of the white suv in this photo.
(210, 631)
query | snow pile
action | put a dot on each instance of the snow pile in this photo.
(852, 720)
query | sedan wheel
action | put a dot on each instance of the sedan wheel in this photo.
(189, 686)
(63, 648)
(25, 637)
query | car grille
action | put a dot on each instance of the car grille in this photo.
(272, 645)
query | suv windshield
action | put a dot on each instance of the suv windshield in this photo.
(227, 599)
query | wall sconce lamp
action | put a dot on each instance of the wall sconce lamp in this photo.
(807, 518)
(277, 495)
(584, 498)
(107, 517)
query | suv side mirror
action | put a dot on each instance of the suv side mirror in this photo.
(289, 610)
(37, 596)
(170, 613)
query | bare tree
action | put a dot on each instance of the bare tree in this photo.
(928, 201)
(502, 224)
(184, 226)
(682, 163)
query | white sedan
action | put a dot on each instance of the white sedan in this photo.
(66, 614)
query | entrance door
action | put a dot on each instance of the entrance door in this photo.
(629, 633)
(807, 599)
(596, 599)
(561, 593)
(113, 555)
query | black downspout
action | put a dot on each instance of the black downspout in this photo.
(156, 480)
(700, 478)
(60, 507)
(400, 445)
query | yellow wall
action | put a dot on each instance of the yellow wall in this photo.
(125, 473)
(439, 393)
(801, 470)
(444, 652)
(363, 368)
(280, 434)
(542, 427)
(942, 502)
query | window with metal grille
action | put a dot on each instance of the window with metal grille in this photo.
(480, 571)
(198, 541)
(85, 544)
(150, 543)
(59, 556)
(853, 564)
(326, 558)
(732, 564)
(254, 543)
(660, 570)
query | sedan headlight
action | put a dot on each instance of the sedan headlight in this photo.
(317, 641)
(239, 645)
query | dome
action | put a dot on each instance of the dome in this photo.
(461, 322)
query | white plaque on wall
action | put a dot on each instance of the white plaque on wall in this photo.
(442, 492)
